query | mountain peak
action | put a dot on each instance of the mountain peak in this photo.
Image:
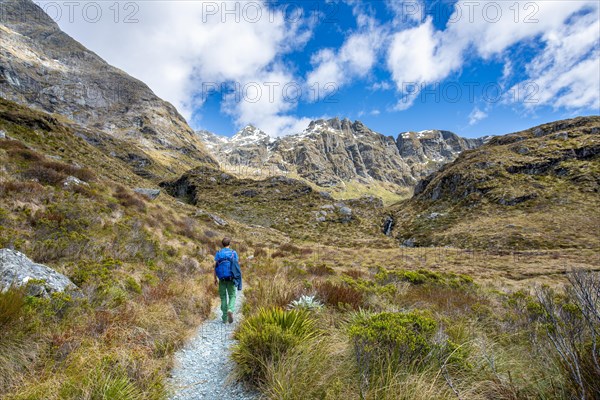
(250, 135)
(332, 125)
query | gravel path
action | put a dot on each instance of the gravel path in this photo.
(203, 366)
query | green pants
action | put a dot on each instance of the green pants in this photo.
(227, 295)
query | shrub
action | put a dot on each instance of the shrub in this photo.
(44, 175)
(321, 269)
(11, 306)
(187, 227)
(23, 188)
(423, 276)
(188, 266)
(8, 144)
(266, 336)
(278, 254)
(85, 174)
(24, 154)
(391, 339)
(129, 199)
(290, 248)
(210, 234)
(572, 324)
(260, 252)
(340, 295)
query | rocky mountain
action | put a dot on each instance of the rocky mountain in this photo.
(330, 152)
(45, 69)
(538, 188)
(427, 151)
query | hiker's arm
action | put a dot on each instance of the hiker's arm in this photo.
(237, 273)
(215, 274)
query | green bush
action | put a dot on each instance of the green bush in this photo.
(11, 306)
(424, 277)
(265, 337)
(391, 339)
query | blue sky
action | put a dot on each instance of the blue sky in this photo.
(474, 67)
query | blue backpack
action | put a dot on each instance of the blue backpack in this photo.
(224, 265)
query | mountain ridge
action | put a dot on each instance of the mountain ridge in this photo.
(332, 151)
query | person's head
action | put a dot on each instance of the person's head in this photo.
(226, 242)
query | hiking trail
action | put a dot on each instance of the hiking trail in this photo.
(203, 366)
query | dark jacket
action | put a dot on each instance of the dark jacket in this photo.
(224, 254)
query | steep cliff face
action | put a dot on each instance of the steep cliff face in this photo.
(330, 152)
(427, 151)
(44, 68)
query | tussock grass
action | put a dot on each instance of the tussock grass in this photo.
(265, 337)
(480, 342)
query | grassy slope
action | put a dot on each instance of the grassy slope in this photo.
(143, 267)
(287, 205)
(529, 190)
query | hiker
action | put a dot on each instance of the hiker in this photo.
(228, 276)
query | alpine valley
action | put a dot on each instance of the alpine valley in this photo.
(406, 265)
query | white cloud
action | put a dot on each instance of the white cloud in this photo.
(355, 58)
(476, 116)
(266, 102)
(383, 85)
(178, 45)
(425, 55)
(567, 73)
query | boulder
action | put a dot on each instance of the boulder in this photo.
(151, 194)
(214, 218)
(73, 181)
(346, 211)
(408, 243)
(325, 195)
(434, 215)
(17, 270)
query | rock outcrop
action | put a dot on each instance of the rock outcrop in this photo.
(151, 194)
(426, 151)
(17, 270)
